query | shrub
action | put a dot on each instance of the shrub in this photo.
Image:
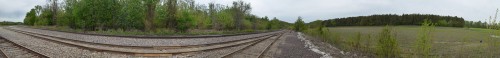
(185, 22)
(387, 46)
(441, 23)
(423, 43)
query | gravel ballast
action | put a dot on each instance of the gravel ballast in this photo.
(56, 50)
(141, 41)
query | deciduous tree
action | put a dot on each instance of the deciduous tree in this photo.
(150, 13)
(240, 8)
(299, 25)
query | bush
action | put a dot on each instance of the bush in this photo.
(387, 46)
(185, 22)
(441, 23)
(424, 42)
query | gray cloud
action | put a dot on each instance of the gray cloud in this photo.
(15, 10)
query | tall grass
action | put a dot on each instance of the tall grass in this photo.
(326, 36)
(493, 45)
(426, 41)
(368, 43)
(386, 47)
(355, 42)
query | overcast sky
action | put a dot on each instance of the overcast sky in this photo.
(310, 10)
(15, 10)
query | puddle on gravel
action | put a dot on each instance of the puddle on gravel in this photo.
(313, 47)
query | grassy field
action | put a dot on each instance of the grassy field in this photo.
(447, 42)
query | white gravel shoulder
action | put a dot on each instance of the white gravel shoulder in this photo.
(313, 47)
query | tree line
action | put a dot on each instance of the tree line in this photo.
(10, 23)
(148, 15)
(475, 24)
(490, 23)
(394, 19)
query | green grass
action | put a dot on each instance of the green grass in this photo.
(447, 42)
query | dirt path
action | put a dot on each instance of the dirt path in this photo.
(292, 47)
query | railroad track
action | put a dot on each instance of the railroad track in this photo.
(38, 34)
(142, 50)
(10, 49)
(255, 50)
(147, 50)
(140, 42)
(2, 55)
(155, 37)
